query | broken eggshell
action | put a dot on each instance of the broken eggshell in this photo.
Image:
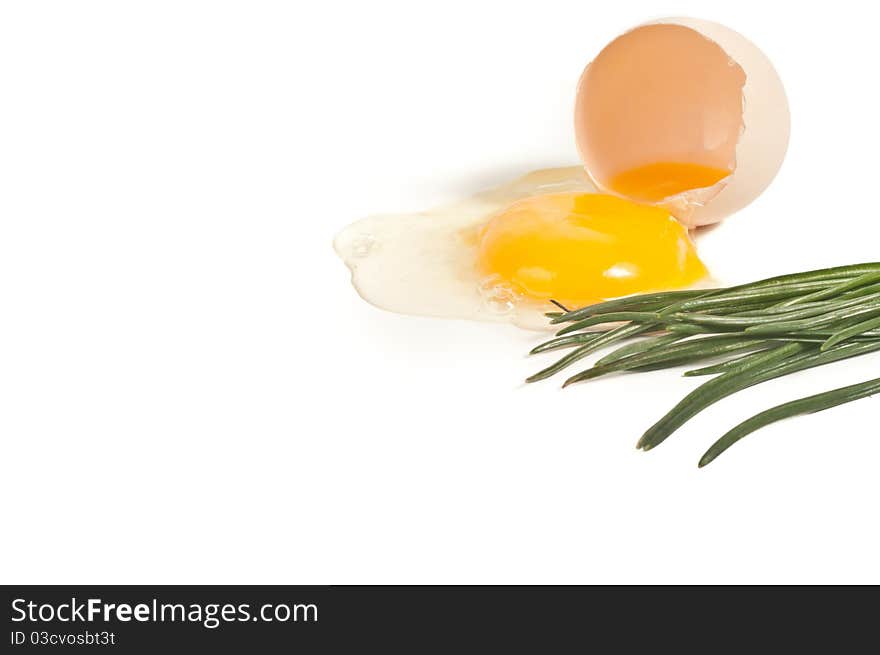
(690, 91)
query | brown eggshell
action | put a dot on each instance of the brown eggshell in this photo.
(684, 90)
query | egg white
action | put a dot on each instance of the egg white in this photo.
(424, 264)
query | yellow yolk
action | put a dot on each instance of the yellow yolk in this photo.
(579, 248)
(655, 182)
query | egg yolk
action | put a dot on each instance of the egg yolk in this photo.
(579, 248)
(654, 182)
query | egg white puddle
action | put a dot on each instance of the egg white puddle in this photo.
(423, 263)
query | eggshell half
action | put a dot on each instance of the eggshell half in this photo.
(683, 89)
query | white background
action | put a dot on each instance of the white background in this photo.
(191, 391)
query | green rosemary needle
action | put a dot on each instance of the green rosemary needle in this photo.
(808, 405)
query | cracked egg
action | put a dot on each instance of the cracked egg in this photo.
(679, 123)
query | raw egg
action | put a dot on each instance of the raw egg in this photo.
(504, 254)
(678, 123)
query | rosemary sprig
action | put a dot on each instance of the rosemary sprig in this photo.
(759, 331)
